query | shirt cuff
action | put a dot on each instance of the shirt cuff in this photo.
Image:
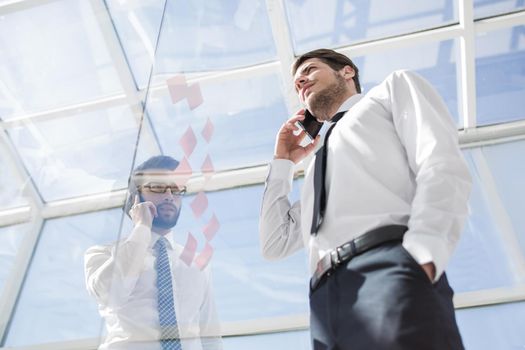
(425, 249)
(281, 169)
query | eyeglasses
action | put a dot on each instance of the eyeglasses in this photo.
(159, 187)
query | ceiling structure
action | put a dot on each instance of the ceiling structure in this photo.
(89, 89)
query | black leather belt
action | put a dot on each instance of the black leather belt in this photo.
(355, 247)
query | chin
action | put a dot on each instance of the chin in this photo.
(165, 223)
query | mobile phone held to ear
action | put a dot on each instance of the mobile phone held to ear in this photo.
(310, 125)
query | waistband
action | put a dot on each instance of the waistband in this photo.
(358, 245)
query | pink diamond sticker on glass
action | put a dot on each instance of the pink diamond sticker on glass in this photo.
(183, 172)
(204, 257)
(207, 168)
(207, 132)
(199, 204)
(188, 253)
(211, 228)
(194, 96)
(188, 141)
(180, 90)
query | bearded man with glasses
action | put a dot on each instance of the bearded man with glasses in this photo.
(148, 295)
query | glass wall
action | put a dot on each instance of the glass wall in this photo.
(500, 53)
(91, 89)
(317, 23)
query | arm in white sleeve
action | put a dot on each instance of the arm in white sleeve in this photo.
(210, 328)
(427, 131)
(111, 272)
(279, 223)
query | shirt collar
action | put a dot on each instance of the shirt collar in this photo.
(350, 102)
(155, 237)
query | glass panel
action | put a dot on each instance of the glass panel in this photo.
(493, 327)
(243, 280)
(81, 154)
(487, 8)
(480, 260)
(54, 305)
(317, 23)
(52, 54)
(435, 61)
(275, 341)
(500, 75)
(196, 35)
(235, 125)
(506, 162)
(11, 189)
(137, 24)
(10, 238)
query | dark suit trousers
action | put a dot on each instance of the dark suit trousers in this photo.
(383, 300)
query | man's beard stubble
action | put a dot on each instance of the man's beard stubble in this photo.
(324, 100)
(160, 222)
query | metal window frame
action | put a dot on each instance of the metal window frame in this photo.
(37, 211)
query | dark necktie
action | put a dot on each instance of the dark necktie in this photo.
(169, 330)
(319, 178)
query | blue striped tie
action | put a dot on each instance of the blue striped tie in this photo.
(169, 330)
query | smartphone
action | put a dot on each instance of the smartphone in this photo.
(310, 125)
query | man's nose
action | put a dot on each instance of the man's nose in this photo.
(168, 195)
(300, 81)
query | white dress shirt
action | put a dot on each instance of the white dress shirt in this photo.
(392, 159)
(122, 278)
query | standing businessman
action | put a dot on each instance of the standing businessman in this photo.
(381, 209)
(149, 297)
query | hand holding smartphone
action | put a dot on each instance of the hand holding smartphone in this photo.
(310, 125)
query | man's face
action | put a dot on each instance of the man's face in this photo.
(318, 85)
(160, 187)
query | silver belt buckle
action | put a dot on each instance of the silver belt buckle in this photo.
(323, 265)
(327, 263)
(335, 259)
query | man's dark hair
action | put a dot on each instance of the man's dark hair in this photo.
(335, 60)
(156, 162)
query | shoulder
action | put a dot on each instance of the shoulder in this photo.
(403, 83)
(393, 81)
(99, 249)
(404, 77)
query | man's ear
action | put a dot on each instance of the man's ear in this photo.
(348, 72)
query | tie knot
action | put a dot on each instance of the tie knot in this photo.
(161, 243)
(337, 116)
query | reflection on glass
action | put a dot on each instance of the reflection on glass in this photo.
(196, 35)
(318, 23)
(54, 305)
(480, 261)
(435, 61)
(152, 291)
(493, 327)
(11, 188)
(53, 54)
(235, 124)
(500, 75)
(243, 279)
(81, 154)
(10, 238)
(487, 8)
